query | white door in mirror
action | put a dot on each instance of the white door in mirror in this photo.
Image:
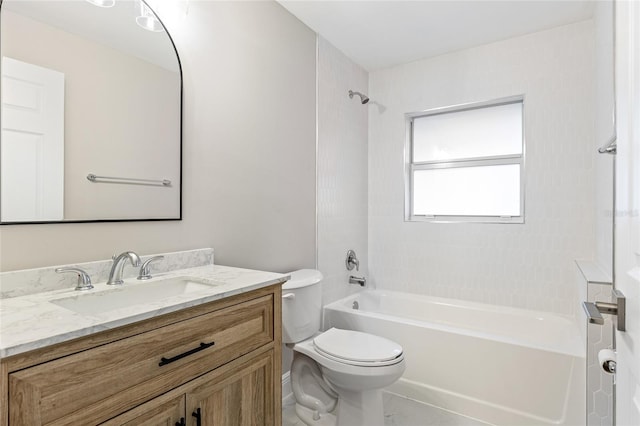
(32, 144)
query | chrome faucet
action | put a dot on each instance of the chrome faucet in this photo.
(351, 261)
(115, 275)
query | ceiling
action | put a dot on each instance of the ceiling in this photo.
(381, 34)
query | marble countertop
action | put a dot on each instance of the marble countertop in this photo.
(32, 321)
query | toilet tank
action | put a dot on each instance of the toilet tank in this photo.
(301, 305)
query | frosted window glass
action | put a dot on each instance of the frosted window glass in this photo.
(468, 191)
(481, 132)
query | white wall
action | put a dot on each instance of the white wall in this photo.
(528, 265)
(249, 187)
(342, 170)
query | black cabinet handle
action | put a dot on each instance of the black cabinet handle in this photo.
(165, 361)
(198, 417)
(182, 422)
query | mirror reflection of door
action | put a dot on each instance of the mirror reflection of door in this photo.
(32, 149)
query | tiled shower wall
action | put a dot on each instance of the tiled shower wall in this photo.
(342, 170)
(522, 265)
(594, 284)
(599, 384)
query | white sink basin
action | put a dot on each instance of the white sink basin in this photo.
(142, 293)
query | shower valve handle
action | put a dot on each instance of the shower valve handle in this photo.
(351, 261)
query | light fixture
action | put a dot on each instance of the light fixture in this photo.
(102, 3)
(146, 18)
(171, 11)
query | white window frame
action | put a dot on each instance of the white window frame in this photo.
(411, 166)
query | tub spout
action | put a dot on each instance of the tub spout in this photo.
(357, 280)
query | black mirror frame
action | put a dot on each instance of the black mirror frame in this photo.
(180, 157)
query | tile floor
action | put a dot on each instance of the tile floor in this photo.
(399, 411)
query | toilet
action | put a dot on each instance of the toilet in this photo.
(337, 376)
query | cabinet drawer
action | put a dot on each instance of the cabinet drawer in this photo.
(97, 384)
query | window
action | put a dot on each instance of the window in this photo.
(466, 164)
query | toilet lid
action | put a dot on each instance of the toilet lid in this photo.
(352, 345)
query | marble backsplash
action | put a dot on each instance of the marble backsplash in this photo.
(38, 280)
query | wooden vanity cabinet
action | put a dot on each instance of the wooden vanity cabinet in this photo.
(221, 359)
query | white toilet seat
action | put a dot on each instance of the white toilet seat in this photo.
(357, 348)
(343, 365)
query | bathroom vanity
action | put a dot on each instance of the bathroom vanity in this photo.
(212, 357)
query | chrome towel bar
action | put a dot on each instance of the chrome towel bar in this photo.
(131, 181)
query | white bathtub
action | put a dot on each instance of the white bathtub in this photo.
(501, 365)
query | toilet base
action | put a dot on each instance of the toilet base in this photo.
(354, 409)
(308, 417)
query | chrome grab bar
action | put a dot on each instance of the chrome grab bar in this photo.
(132, 181)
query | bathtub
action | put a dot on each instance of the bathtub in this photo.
(500, 365)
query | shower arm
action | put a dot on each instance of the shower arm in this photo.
(611, 146)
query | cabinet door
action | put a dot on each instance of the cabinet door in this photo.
(159, 411)
(242, 396)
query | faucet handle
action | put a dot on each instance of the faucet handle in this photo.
(84, 280)
(351, 261)
(144, 269)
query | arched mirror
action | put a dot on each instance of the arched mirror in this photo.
(91, 113)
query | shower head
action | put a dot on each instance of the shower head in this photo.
(363, 98)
